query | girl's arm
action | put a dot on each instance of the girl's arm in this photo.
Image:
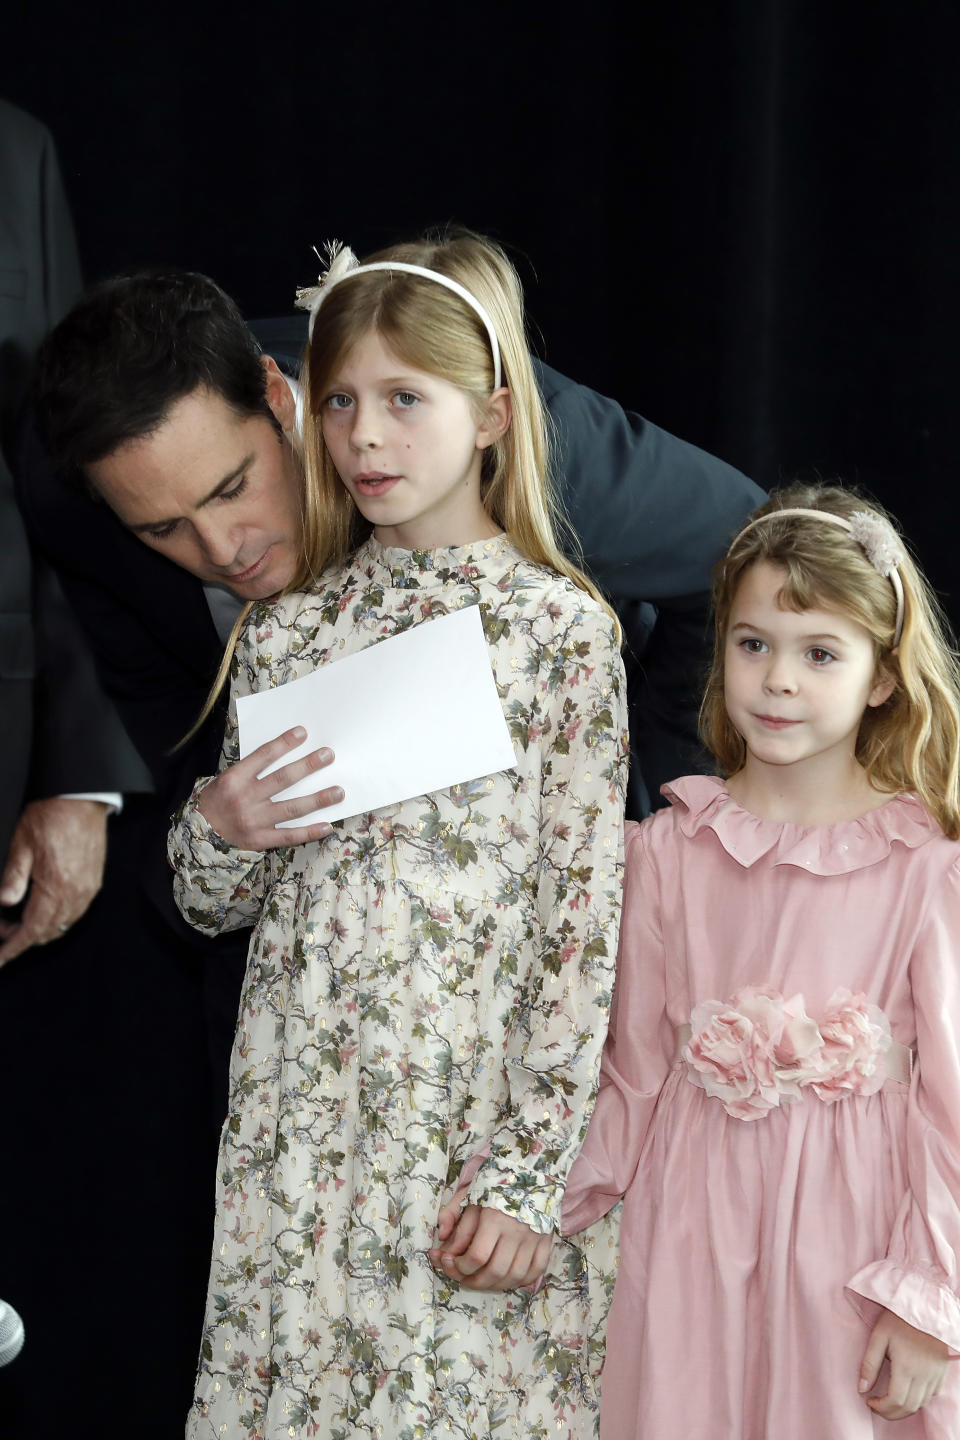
(219, 835)
(636, 1058)
(638, 1053)
(559, 1016)
(919, 1277)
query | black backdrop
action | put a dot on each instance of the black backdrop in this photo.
(738, 216)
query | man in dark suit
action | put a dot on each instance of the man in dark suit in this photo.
(156, 389)
(62, 740)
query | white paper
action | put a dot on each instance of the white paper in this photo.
(414, 713)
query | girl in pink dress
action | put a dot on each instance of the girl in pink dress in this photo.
(780, 1093)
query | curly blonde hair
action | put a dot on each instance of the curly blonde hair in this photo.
(912, 740)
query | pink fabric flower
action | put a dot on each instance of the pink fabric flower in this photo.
(856, 1037)
(757, 1050)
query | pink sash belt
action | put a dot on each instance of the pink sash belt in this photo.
(758, 1050)
(898, 1059)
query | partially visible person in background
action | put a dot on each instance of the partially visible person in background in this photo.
(77, 1021)
(61, 734)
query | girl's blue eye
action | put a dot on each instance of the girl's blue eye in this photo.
(339, 402)
(820, 656)
(752, 645)
(405, 400)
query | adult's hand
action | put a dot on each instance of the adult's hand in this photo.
(57, 852)
(240, 807)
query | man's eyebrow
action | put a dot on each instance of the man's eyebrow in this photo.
(218, 489)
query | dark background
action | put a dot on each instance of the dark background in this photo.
(739, 216)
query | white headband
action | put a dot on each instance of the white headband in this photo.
(871, 532)
(343, 263)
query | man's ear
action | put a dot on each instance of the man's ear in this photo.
(496, 422)
(280, 397)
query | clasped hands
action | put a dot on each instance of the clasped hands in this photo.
(240, 806)
(483, 1249)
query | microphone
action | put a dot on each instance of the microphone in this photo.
(11, 1334)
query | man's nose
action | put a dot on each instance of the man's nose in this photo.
(220, 542)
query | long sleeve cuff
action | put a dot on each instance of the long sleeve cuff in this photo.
(111, 798)
(526, 1195)
(217, 886)
(918, 1295)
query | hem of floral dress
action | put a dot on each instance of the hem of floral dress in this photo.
(924, 1302)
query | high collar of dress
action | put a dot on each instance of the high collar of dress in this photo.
(448, 564)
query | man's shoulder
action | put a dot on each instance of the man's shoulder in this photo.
(19, 128)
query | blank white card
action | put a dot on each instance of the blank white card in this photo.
(408, 715)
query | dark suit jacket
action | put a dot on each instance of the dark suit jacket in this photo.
(652, 512)
(60, 732)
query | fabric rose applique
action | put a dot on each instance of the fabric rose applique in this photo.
(757, 1050)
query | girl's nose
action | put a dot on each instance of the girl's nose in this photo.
(780, 677)
(365, 434)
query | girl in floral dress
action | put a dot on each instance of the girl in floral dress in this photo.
(430, 980)
(780, 1093)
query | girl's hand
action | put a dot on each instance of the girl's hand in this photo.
(918, 1365)
(487, 1250)
(240, 807)
(446, 1223)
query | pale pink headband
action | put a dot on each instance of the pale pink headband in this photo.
(871, 532)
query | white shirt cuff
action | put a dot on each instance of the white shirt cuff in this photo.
(110, 798)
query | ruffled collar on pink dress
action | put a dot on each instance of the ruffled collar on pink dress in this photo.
(705, 803)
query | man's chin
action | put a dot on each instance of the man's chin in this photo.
(261, 589)
(271, 580)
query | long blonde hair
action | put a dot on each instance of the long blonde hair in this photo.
(912, 740)
(433, 330)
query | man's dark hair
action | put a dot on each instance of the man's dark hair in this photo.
(130, 348)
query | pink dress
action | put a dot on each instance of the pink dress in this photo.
(755, 1252)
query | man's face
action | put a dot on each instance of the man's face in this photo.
(218, 493)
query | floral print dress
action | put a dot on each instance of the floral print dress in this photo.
(431, 980)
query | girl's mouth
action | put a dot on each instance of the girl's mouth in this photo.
(372, 485)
